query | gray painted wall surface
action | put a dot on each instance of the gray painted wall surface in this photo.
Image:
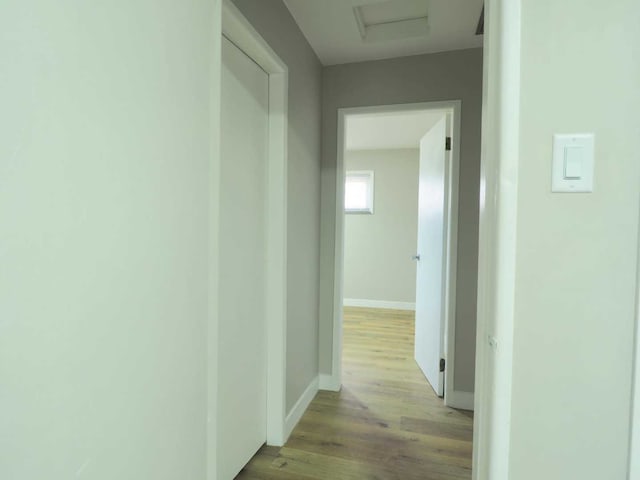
(378, 247)
(274, 22)
(444, 76)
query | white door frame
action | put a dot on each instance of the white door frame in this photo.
(335, 381)
(497, 239)
(239, 31)
(634, 445)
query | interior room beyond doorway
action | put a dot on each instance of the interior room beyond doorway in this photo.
(383, 245)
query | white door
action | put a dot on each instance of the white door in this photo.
(242, 350)
(431, 251)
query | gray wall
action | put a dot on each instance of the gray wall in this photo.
(378, 247)
(274, 22)
(444, 76)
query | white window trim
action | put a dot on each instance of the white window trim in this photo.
(370, 176)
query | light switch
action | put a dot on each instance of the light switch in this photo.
(572, 169)
(573, 163)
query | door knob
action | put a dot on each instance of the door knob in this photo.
(415, 257)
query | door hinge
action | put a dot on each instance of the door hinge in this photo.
(447, 144)
(442, 364)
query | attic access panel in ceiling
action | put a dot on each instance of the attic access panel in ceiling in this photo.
(392, 20)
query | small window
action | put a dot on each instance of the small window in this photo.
(358, 192)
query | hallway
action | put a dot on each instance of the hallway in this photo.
(386, 423)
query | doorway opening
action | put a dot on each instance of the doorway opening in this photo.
(396, 224)
(367, 273)
(250, 227)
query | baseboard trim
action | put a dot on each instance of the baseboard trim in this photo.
(299, 408)
(358, 302)
(460, 400)
(329, 383)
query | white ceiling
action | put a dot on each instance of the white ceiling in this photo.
(332, 29)
(390, 131)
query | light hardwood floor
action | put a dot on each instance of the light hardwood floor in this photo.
(385, 424)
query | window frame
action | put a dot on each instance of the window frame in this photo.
(369, 175)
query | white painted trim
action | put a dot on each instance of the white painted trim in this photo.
(214, 254)
(634, 444)
(338, 277)
(359, 302)
(329, 383)
(497, 241)
(338, 262)
(239, 31)
(460, 400)
(299, 408)
(634, 437)
(451, 256)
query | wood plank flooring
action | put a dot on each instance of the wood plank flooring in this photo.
(385, 424)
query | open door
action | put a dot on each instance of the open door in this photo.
(431, 256)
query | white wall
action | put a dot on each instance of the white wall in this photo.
(378, 247)
(104, 204)
(574, 331)
(574, 285)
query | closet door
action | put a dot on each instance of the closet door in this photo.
(242, 350)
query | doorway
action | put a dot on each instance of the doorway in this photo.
(251, 230)
(442, 331)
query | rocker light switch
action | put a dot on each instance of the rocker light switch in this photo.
(572, 163)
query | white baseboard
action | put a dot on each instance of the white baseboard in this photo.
(299, 408)
(459, 400)
(329, 383)
(357, 302)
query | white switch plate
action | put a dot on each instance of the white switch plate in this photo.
(572, 169)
